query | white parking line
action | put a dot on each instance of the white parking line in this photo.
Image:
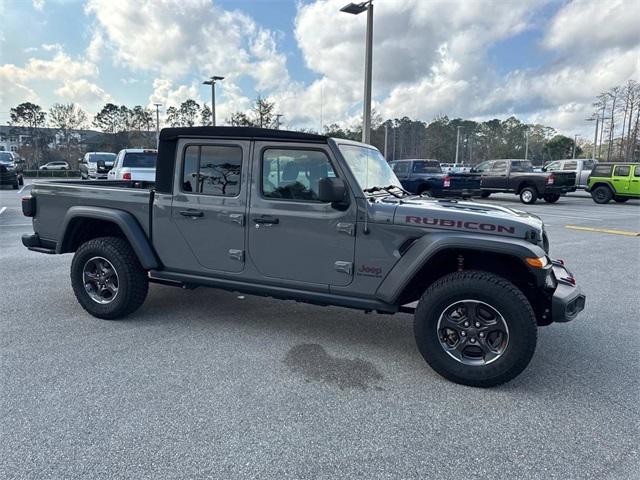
(23, 187)
(542, 214)
(2, 210)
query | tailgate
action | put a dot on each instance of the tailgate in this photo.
(564, 179)
(466, 181)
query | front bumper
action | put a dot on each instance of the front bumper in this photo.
(568, 300)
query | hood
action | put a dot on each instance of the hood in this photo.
(467, 216)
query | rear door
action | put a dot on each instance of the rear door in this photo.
(209, 207)
(621, 179)
(634, 187)
(294, 237)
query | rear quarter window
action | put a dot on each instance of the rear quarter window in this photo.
(622, 171)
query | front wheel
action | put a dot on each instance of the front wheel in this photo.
(475, 328)
(551, 197)
(107, 278)
(601, 195)
(528, 195)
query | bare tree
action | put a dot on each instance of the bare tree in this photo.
(66, 119)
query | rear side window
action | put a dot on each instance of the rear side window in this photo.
(212, 170)
(622, 171)
(140, 160)
(290, 174)
(601, 171)
(499, 167)
(521, 167)
(426, 167)
(588, 165)
(401, 167)
(637, 171)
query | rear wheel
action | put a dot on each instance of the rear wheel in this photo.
(601, 194)
(551, 197)
(20, 180)
(107, 278)
(528, 195)
(475, 328)
(620, 199)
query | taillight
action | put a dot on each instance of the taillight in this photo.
(126, 176)
(29, 206)
(551, 180)
(446, 181)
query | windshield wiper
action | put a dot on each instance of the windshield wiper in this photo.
(389, 189)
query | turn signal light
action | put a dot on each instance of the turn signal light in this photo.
(540, 262)
(126, 176)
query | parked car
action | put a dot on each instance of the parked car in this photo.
(517, 176)
(136, 164)
(580, 166)
(425, 177)
(455, 167)
(614, 181)
(314, 219)
(13, 165)
(55, 166)
(96, 165)
(8, 172)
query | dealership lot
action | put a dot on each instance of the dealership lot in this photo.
(207, 383)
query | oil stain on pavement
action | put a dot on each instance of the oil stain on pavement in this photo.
(315, 364)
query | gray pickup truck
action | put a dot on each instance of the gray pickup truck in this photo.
(313, 219)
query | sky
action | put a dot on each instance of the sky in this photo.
(543, 61)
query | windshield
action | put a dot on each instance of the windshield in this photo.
(369, 167)
(102, 157)
(521, 167)
(426, 167)
(140, 160)
(6, 157)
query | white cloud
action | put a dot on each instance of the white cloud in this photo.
(38, 5)
(175, 38)
(83, 92)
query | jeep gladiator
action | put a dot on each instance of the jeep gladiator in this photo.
(313, 219)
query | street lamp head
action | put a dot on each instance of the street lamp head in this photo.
(215, 78)
(355, 8)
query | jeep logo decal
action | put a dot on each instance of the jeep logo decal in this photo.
(444, 222)
(369, 271)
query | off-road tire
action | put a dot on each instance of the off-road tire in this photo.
(620, 199)
(485, 194)
(133, 283)
(526, 198)
(551, 197)
(494, 291)
(601, 194)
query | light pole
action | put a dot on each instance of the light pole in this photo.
(356, 9)
(526, 144)
(212, 81)
(278, 115)
(158, 105)
(386, 137)
(575, 144)
(457, 143)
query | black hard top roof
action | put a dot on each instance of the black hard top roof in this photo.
(610, 164)
(239, 132)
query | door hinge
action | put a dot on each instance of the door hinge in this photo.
(236, 254)
(344, 267)
(345, 228)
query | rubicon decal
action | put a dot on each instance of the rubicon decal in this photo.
(466, 225)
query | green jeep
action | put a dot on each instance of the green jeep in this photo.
(617, 181)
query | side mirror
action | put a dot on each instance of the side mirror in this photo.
(332, 190)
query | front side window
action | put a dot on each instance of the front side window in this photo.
(290, 174)
(521, 167)
(552, 167)
(212, 170)
(483, 167)
(369, 167)
(570, 166)
(401, 167)
(499, 167)
(636, 172)
(622, 171)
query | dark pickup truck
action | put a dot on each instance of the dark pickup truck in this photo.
(518, 176)
(312, 219)
(425, 177)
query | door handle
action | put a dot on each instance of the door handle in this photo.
(266, 220)
(192, 213)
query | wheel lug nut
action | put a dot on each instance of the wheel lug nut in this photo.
(481, 334)
(473, 340)
(477, 324)
(464, 334)
(466, 324)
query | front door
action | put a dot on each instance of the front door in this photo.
(634, 187)
(293, 236)
(209, 207)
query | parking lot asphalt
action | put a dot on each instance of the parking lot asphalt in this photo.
(210, 384)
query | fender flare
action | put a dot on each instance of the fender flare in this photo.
(127, 223)
(423, 250)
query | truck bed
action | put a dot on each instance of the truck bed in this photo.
(55, 198)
